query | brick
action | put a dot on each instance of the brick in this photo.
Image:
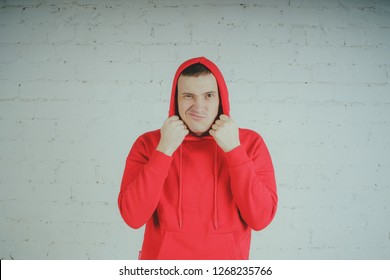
(61, 34)
(195, 49)
(168, 33)
(203, 13)
(321, 36)
(11, 129)
(157, 53)
(290, 73)
(351, 73)
(14, 110)
(164, 15)
(264, 15)
(238, 53)
(240, 91)
(118, 52)
(364, 94)
(251, 72)
(301, 16)
(36, 53)
(360, 55)
(40, 15)
(9, 90)
(357, 37)
(381, 17)
(127, 32)
(114, 71)
(10, 15)
(22, 33)
(8, 53)
(296, 93)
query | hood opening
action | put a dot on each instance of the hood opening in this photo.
(222, 88)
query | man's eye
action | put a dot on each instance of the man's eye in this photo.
(187, 96)
(210, 95)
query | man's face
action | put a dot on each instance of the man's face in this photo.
(198, 102)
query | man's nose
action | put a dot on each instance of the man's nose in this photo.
(199, 104)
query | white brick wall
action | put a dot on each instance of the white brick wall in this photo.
(80, 80)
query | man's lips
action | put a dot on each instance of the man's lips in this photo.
(197, 116)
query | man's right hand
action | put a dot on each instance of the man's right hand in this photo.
(173, 132)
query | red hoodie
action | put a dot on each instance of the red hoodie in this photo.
(201, 203)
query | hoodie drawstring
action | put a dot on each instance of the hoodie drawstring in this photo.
(215, 188)
(215, 173)
(180, 210)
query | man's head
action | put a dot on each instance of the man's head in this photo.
(198, 98)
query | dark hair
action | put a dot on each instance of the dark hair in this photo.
(195, 70)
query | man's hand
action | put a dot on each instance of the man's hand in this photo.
(225, 133)
(173, 132)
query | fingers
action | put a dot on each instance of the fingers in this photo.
(173, 120)
(179, 124)
(176, 123)
(184, 127)
(173, 132)
(215, 127)
(223, 119)
(225, 133)
(221, 122)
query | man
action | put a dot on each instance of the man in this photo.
(199, 183)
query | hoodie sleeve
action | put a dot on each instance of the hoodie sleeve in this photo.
(142, 183)
(253, 181)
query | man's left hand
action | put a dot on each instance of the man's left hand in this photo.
(225, 133)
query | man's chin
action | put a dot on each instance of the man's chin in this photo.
(199, 132)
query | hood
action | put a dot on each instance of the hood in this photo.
(223, 92)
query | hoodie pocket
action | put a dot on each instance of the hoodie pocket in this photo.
(198, 247)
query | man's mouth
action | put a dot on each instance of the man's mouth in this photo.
(197, 117)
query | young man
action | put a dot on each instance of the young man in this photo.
(199, 183)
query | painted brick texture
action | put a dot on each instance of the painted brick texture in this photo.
(80, 80)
